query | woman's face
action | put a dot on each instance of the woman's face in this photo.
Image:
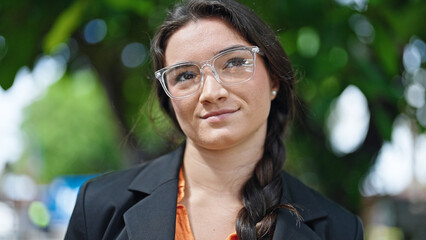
(219, 117)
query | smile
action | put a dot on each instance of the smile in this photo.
(218, 115)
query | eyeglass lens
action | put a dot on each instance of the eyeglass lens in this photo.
(232, 67)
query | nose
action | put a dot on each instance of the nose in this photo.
(212, 90)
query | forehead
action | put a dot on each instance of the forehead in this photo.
(200, 40)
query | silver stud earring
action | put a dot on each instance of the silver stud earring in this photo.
(274, 92)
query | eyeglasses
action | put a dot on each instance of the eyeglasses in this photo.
(230, 67)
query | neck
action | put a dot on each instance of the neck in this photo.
(220, 171)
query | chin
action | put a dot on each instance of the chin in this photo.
(216, 143)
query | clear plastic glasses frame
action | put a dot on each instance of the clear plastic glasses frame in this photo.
(230, 67)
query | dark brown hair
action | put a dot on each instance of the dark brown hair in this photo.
(261, 194)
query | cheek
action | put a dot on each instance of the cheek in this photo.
(260, 93)
(261, 87)
(184, 111)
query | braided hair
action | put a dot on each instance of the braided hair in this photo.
(261, 193)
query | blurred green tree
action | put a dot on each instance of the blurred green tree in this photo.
(322, 38)
(71, 130)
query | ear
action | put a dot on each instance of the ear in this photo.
(275, 87)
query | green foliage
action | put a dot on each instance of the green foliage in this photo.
(71, 128)
(23, 24)
(67, 22)
(142, 8)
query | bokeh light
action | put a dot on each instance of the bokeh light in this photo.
(393, 170)
(65, 197)
(8, 219)
(421, 47)
(133, 55)
(420, 159)
(62, 51)
(39, 214)
(411, 58)
(308, 42)
(18, 187)
(3, 47)
(48, 70)
(415, 95)
(421, 115)
(415, 77)
(362, 28)
(95, 31)
(359, 5)
(11, 104)
(338, 56)
(420, 77)
(382, 232)
(348, 121)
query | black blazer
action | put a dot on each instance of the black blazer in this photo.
(140, 204)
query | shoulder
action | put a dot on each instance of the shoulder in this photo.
(141, 178)
(325, 217)
(102, 201)
(113, 182)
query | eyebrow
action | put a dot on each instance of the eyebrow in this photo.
(216, 53)
(229, 48)
(181, 65)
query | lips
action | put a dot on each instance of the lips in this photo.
(218, 113)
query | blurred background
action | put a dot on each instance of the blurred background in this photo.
(75, 77)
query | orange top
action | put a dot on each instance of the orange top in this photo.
(183, 229)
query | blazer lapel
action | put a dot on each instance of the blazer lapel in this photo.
(288, 227)
(154, 217)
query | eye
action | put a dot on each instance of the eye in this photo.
(236, 62)
(185, 76)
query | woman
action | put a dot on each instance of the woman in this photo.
(227, 84)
